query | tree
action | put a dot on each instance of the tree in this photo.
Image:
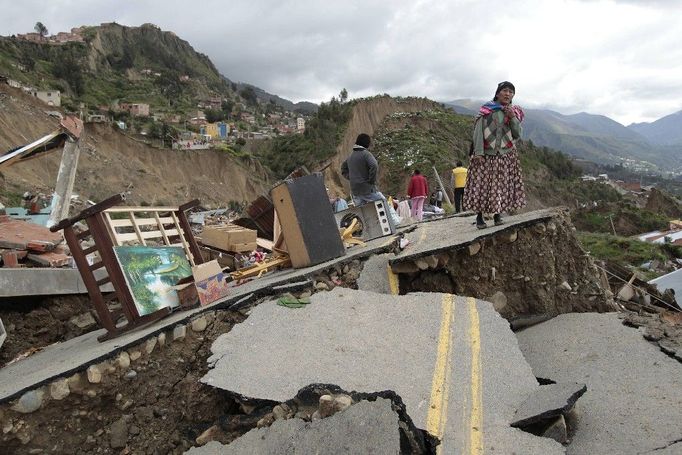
(343, 96)
(40, 29)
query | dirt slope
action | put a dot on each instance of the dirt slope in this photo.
(367, 116)
(111, 162)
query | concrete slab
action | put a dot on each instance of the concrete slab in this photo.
(454, 361)
(457, 232)
(39, 281)
(62, 359)
(633, 402)
(548, 401)
(377, 277)
(365, 427)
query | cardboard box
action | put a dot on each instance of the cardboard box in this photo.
(206, 285)
(229, 237)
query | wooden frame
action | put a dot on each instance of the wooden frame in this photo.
(99, 239)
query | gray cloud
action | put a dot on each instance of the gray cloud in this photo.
(616, 58)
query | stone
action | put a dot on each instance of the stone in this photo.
(179, 332)
(77, 383)
(432, 261)
(150, 345)
(279, 412)
(132, 374)
(557, 430)
(134, 430)
(91, 393)
(83, 321)
(342, 402)
(7, 427)
(118, 434)
(305, 295)
(209, 435)
(513, 236)
(421, 264)
(499, 300)
(161, 339)
(565, 286)
(60, 389)
(94, 374)
(30, 401)
(199, 324)
(321, 286)
(474, 248)
(119, 396)
(266, 421)
(134, 355)
(123, 360)
(326, 406)
(316, 416)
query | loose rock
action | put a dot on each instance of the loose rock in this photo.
(94, 374)
(118, 437)
(30, 401)
(60, 389)
(199, 324)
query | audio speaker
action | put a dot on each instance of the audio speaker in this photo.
(307, 220)
(373, 218)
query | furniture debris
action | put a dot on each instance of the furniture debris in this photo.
(229, 237)
(207, 284)
(93, 249)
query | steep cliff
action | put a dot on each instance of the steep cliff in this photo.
(367, 117)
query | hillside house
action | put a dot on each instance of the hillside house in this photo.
(300, 124)
(66, 37)
(51, 98)
(210, 130)
(32, 36)
(248, 118)
(96, 118)
(135, 109)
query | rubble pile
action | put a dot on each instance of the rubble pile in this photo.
(26, 244)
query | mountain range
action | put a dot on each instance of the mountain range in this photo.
(648, 146)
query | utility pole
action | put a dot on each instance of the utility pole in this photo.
(612, 226)
(440, 183)
(67, 171)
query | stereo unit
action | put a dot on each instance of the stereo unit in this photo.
(373, 218)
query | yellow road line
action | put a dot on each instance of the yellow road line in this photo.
(476, 419)
(438, 404)
(392, 280)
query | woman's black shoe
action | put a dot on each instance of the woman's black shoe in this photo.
(480, 224)
(497, 219)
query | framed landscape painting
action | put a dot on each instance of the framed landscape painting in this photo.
(151, 272)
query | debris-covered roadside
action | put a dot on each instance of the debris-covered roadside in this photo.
(146, 400)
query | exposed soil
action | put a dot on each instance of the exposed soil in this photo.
(35, 322)
(539, 270)
(111, 162)
(161, 410)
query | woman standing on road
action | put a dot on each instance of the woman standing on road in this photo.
(494, 184)
(417, 189)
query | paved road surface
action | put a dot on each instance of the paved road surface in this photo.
(633, 403)
(453, 360)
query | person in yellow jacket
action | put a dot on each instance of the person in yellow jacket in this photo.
(459, 180)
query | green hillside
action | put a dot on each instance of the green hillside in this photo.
(118, 64)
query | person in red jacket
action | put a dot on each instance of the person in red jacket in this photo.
(418, 189)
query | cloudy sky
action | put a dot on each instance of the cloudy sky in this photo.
(622, 59)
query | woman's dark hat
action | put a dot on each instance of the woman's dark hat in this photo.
(503, 85)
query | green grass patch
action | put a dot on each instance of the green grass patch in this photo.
(625, 251)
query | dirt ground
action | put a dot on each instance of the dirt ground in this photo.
(161, 408)
(36, 322)
(112, 162)
(539, 270)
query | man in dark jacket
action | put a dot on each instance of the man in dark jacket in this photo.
(361, 169)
